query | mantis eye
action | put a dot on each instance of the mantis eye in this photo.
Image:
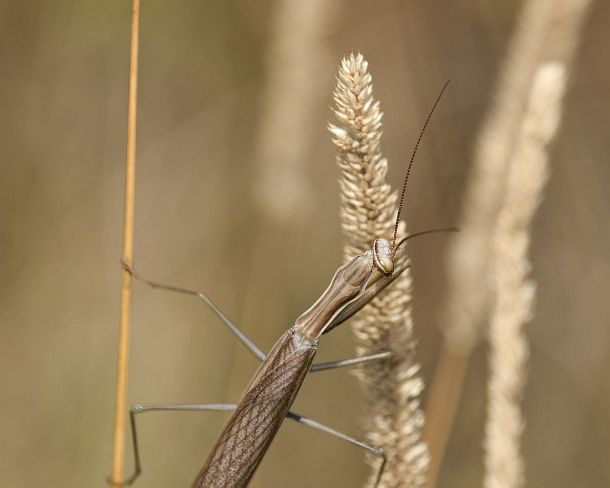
(382, 256)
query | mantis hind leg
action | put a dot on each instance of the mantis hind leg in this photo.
(376, 451)
(160, 407)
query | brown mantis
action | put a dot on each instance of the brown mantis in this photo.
(267, 400)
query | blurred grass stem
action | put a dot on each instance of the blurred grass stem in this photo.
(545, 31)
(118, 453)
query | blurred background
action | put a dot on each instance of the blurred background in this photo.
(218, 209)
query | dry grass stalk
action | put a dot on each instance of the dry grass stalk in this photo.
(514, 291)
(368, 210)
(118, 453)
(546, 30)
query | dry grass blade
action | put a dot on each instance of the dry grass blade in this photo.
(368, 211)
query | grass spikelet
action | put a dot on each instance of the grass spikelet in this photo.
(368, 210)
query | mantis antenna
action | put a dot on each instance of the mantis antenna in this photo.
(403, 194)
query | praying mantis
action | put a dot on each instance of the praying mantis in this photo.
(272, 390)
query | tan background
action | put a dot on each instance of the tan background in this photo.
(63, 100)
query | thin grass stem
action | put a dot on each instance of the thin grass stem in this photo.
(118, 453)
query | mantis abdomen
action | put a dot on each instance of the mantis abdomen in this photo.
(259, 414)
